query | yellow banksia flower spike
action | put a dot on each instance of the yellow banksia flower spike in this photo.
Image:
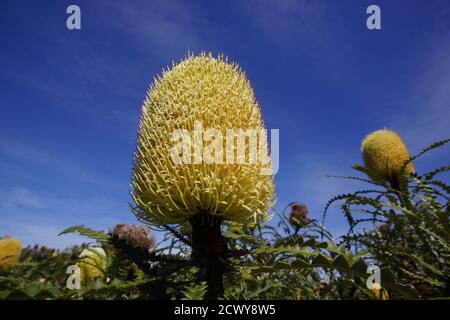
(384, 154)
(10, 251)
(92, 264)
(215, 93)
(379, 293)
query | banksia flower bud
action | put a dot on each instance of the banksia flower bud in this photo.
(10, 250)
(217, 95)
(384, 154)
(298, 217)
(134, 244)
(92, 264)
(134, 236)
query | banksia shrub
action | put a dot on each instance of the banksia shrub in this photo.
(92, 264)
(205, 184)
(10, 250)
(216, 94)
(384, 154)
(411, 212)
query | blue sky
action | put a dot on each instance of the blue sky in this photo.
(70, 100)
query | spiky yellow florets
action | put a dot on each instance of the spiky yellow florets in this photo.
(379, 293)
(10, 251)
(218, 95)
(384, 154)
(92, 264)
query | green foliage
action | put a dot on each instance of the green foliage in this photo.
(408, 238)
(39, 275)
(410, 232)
(266, 264)
(195, 292)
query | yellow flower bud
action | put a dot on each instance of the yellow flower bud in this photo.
(10, 251)
(384, 154)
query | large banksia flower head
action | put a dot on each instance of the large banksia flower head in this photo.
(137, 236)
(218, 95)
(10, 251)
(384, 154)
(92, 263)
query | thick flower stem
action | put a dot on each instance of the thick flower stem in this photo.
(209, 251)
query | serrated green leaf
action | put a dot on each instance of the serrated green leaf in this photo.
(87, 232)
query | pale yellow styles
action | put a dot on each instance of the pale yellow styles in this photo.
(92, 264)
(217, 93)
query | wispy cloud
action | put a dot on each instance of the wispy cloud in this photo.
(37, 217)
(424, 116)
(292, 20)
(32, 156)
(20, 197)
(43, 190)
(157, 27)
(41, 234)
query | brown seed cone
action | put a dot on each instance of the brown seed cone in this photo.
(134, 235)
(298, 217)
